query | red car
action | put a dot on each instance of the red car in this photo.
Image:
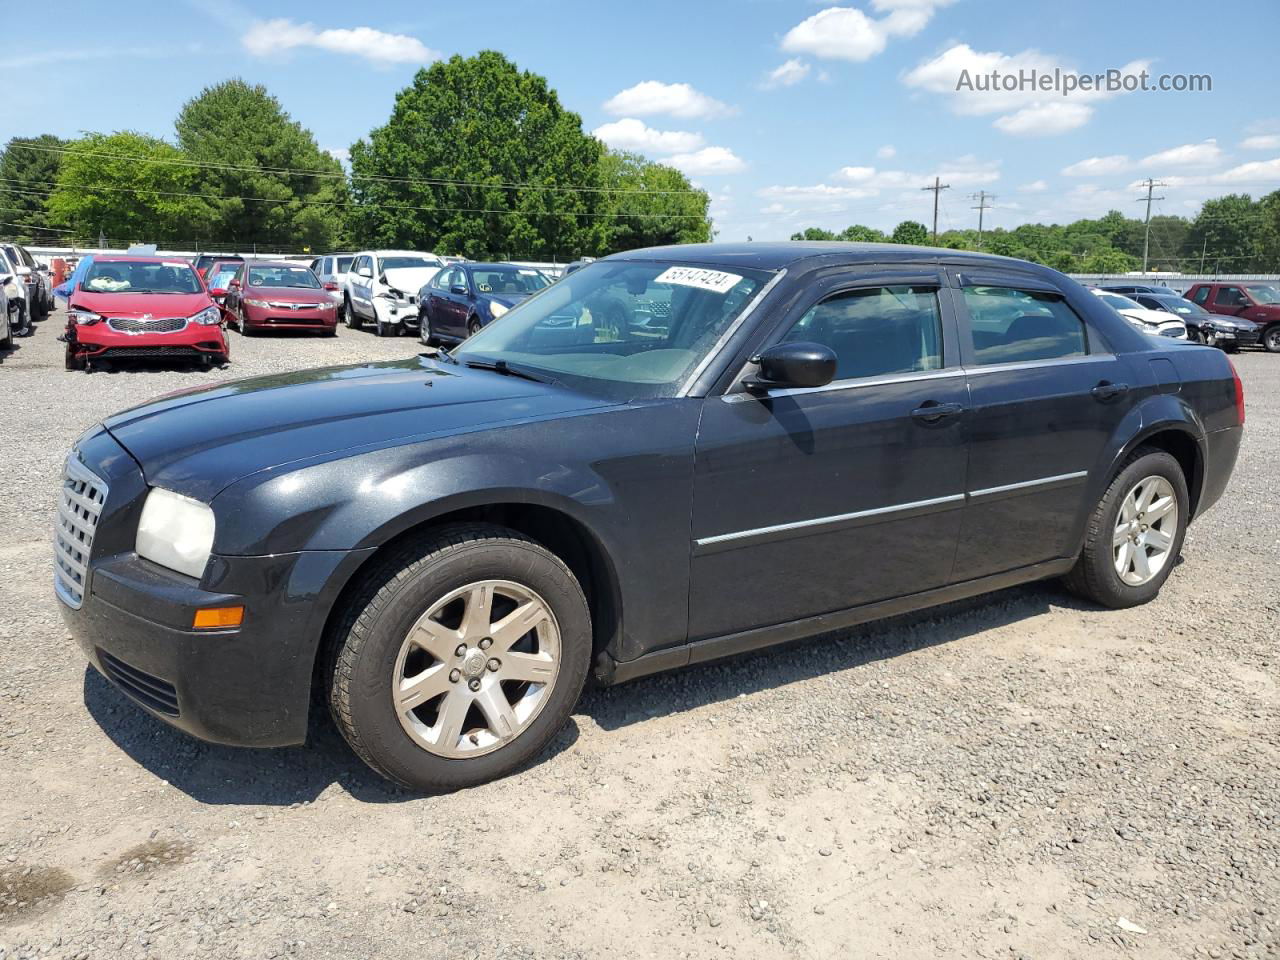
(279, 295)
(1255, 302)
(125, 307)
(217, 277)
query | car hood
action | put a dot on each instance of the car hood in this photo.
(410, 279)
(197, 442)
(137, 304)
(1154, 317)
(1230, 323)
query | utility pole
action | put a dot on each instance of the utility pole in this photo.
(1146, 227)
(983, 199)
(937, 188)
(1204, 247)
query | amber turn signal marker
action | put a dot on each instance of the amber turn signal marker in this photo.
(218, 617)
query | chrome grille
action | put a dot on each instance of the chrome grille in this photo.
(163, 325)
(79, 507)
(291, 305)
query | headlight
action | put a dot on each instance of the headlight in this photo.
(208, 316)
(497, 310)
(255, 303)
(391, 293)
(175, 532)
(84, 318)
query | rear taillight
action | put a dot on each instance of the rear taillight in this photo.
(331, 285)
(1239, 393)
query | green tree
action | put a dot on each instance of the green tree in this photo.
(126, 186)
(484, 156)
(28, 172)
(909, 231)
(649, 205)
(813, 234)
(275, 186)
(1107, 260)
(857, 233)
(1230, 231)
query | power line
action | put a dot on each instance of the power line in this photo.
(937, 188)
(342, 175)
(1146, 224)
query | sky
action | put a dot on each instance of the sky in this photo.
(789, 113)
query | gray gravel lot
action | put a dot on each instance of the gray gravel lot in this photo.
(1018, 776)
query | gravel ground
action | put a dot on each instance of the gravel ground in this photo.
(1018, 776)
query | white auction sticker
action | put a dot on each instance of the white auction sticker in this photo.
(716, 281)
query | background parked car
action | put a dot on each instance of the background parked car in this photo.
(381, 288)
(279, 295)
(1229, 333)
(1258, 302)
(34, 276)
(1129, 289)
(203, 262)
(331, 270)
(1155, 322)
(130, 307)
(462, 298)
(6, 329)
(18, 293)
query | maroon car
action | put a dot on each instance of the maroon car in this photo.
(1245, 300)
(279, 295)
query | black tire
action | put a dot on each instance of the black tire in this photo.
(349, 315)
(473, 326)
(73, 360)
(1094, 576)
(1210, 338)
(1271, 338)
(247, 330)
(7, 342)
(331, 331)
(365, 642)
(383, 329)
(1231, 348)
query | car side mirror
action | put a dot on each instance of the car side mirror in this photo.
(233, 285)
(798, 364)
(43, 267)
(458, 289)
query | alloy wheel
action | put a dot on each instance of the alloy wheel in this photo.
(476, 669)
(1145, 531)
(1273, 339)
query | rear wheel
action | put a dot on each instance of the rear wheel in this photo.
(1271, 338)
(1135, 533)
(460, 659)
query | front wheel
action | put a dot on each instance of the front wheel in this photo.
(1135, 533)
(349, 315)
(74, 360)
(473, 326)
(460, 658)
(1271, 338)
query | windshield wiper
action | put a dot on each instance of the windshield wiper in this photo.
(504, 368)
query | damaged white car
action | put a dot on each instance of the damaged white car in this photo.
(382, 288)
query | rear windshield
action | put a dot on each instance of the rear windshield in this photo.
(343, 264)
(117, 276)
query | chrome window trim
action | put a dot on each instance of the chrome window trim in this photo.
(976, 368)
(714, 353)
(1028, 484)
(945, 373)
(820, 521)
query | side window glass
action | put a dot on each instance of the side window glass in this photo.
(1229, 297)
(876, 331)
(1010, 325)
(1201, 295)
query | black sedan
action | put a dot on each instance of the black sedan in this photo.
(462, 298)
(1214, 329)
(814, 435)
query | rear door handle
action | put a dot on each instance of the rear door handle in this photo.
(1109, 391)
(932, 412)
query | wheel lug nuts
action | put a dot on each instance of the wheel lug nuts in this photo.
(455, 676)
(486, 643)
(474, 684)
(495, 664)
(461, 651)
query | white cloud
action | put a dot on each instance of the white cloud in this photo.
(846, 33)
(966, 171)
(677, 99)
(1206, 154)
(1027, 112)
(1263, 141)
(817, 193)
(887, 152)
(708, 160)
(1256, 171)
(341, 154)
(268, 37)
(1035, 186)
(787, 75)
(1045, 119)
(632, 134)
(774, 208)
(1098, 166)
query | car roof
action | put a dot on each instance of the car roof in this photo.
(396, 253)
(138, 258)
(781, 254)
(297, 264)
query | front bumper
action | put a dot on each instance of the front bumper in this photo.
(322, 317)
(396, 312)
(101, 341)
(1242, 338)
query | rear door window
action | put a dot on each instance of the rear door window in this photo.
(1230, 297)
(1009, 325)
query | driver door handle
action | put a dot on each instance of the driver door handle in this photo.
(1109, 391)
(933, 412)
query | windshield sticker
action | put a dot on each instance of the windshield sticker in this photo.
(176, 263)
(717, 281)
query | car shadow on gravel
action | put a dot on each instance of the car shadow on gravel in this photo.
(213, 774)
(707, 683)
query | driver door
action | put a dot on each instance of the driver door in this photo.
(813, 500)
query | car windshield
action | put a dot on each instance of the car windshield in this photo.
(282, 277)
(411, 263)
(1184, 308)
(1263, 293)
(1119, 302)
(508, 280)
(125, 276)
(623, 329)
(219, 278)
